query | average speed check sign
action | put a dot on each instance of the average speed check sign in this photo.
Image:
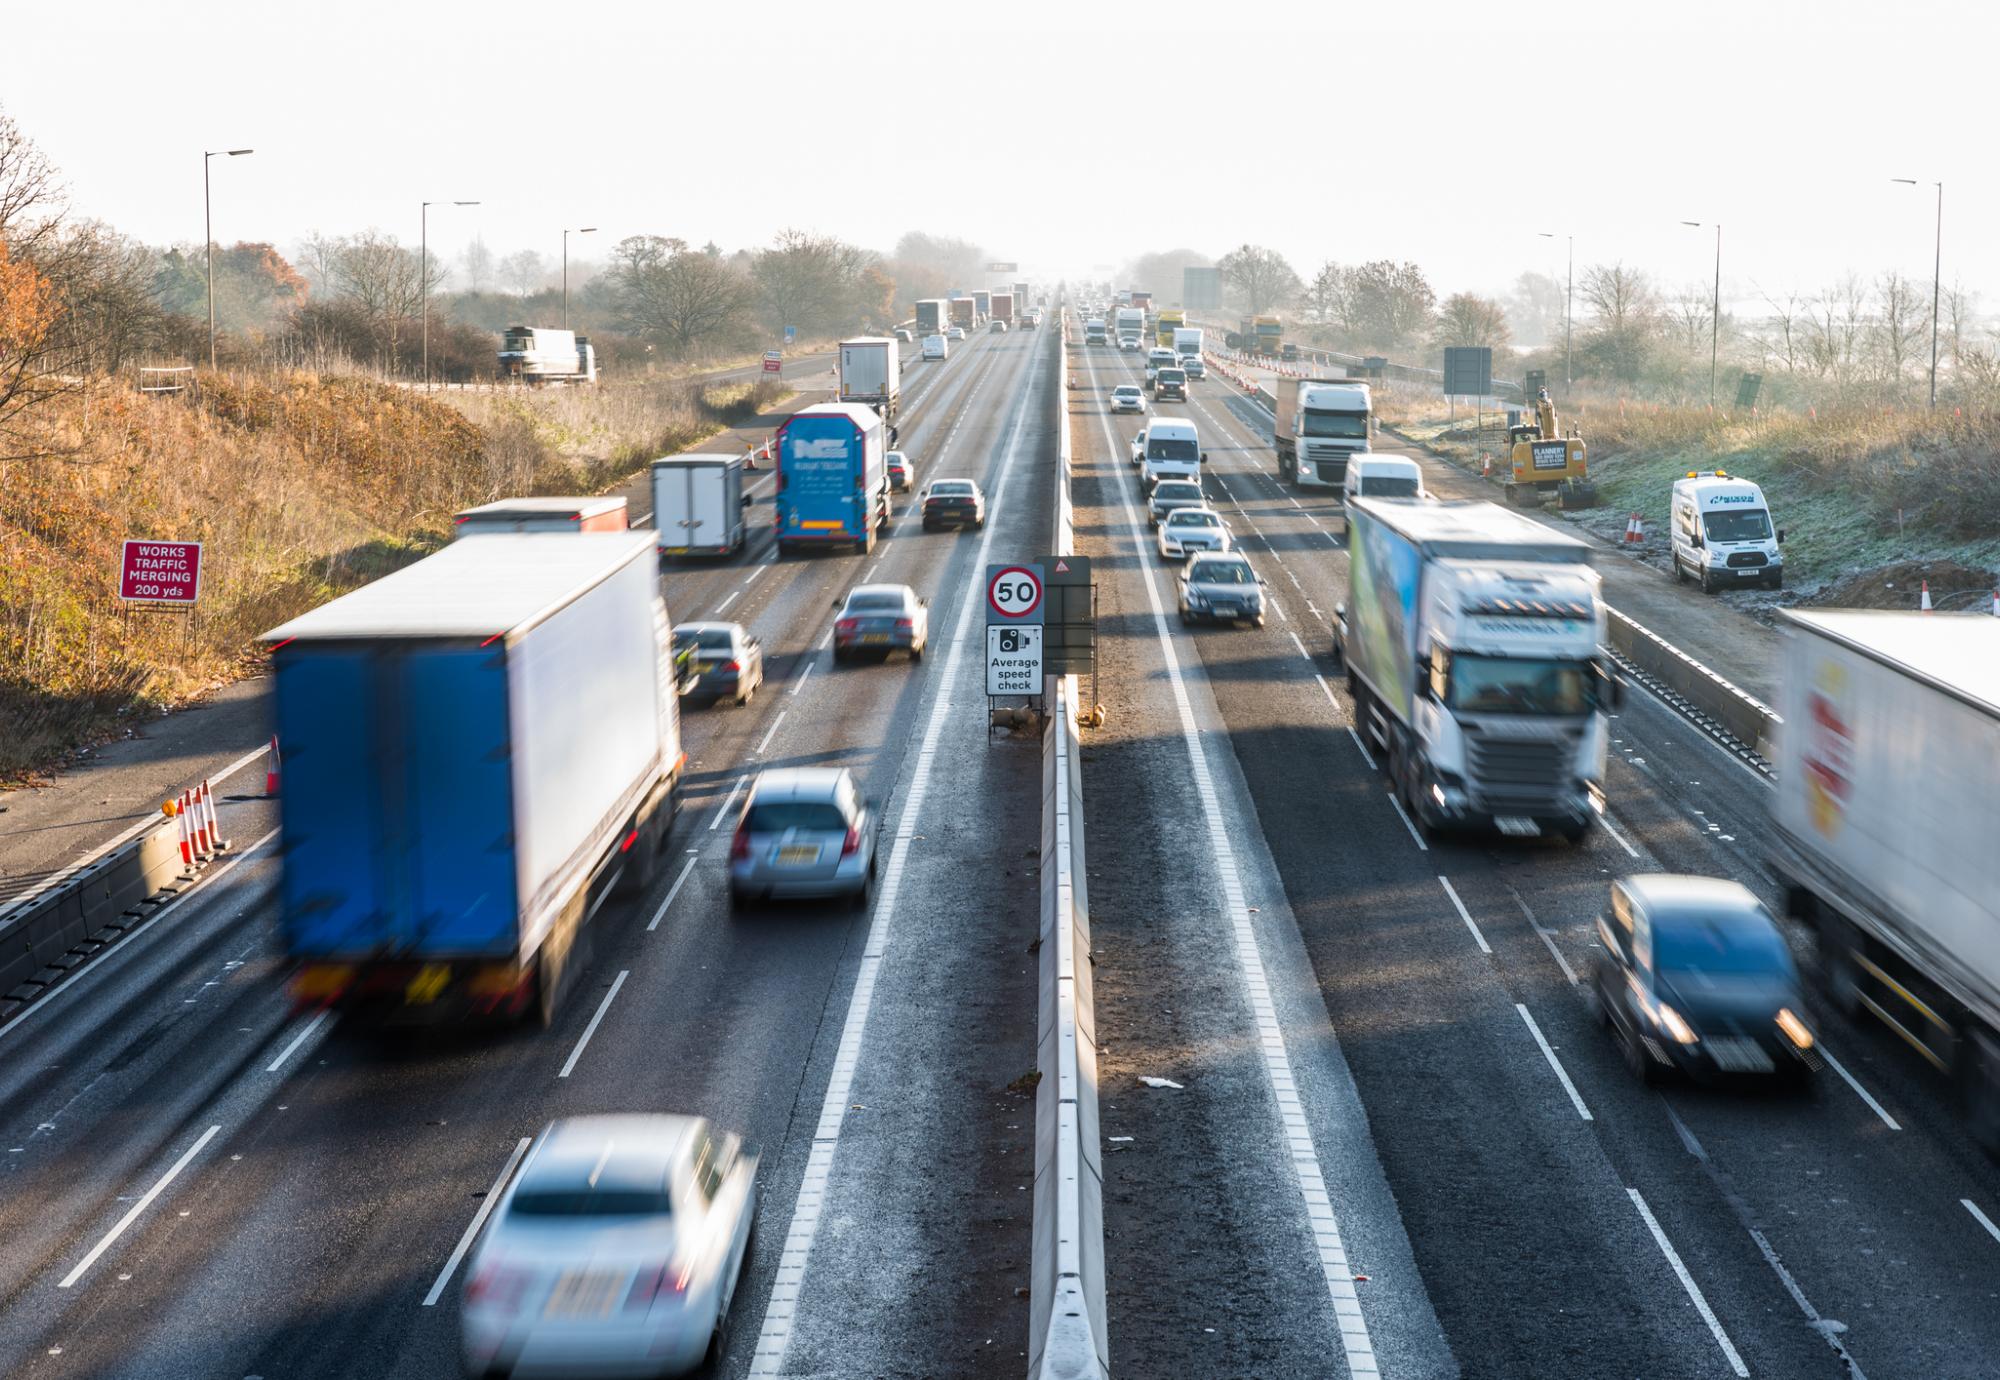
(1014, 593)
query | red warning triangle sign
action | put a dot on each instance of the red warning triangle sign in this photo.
(1062, 567)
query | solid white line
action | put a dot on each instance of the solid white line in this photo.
(591, 1029)
(672, 892)
(774, 1333)
(315, 1023)
(728, 800)
(70, 984)
(1359, 744)
(478, 1221)
(1422, 847)
(722, 607)
(1687, 1282)
(1859, 1091)
(1575, 1098)
(1278, 1071)
(1612, 830)
(1464, 914)
(771, 733)
(145, 1201)
(1983, 1219)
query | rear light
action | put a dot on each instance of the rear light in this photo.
(780, 487)
(732, 666)
(739, 846)
(656, 1281)
(851, 845)
(848, 625)
(906, 625)
(496, 1286)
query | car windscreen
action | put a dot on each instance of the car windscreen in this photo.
(1185, 517)
(1222, 573)
(955, 488)
(1389, 486)
(1751, 525)
(1173, 375)
(1184, 490)
(776, 816)
(1527, 685)
(1128, 391)
(1171, 448)
(1345, 425)
(1692, 945)
(875, 603)
(588, 1202)
(708, 639)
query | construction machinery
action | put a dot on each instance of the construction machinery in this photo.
(1546, 461)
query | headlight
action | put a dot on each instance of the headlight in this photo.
(1794, 1028)
(1671, 1022)
(1196, 599)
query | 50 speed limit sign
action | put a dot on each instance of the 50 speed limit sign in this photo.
(1014, 593)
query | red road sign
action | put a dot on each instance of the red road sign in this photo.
(1014, 591)
(774, 363)
(160, 572)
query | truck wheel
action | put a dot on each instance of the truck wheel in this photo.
(1979, 1088)
(1838, 971)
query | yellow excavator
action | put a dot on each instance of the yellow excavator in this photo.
(1544, 459)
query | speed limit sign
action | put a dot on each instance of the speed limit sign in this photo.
(1014, 593)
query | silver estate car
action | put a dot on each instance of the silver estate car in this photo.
(804, 831)
(614, 1250)
(881, 618)
(1221, 589)
(726, 661)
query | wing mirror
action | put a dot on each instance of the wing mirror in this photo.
(1781, 536)
(747, 500)
(1204, 457)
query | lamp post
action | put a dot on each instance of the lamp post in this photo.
(1569, 305)
(1937, 274)
(424, 277)
(586, 230)
(208, 238)
(1715, 309)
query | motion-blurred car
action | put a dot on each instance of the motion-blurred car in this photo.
(903, 334)
(1128, 397)
(1192, 366)
(1031, 321)
(1221, 589)
(880, 618)
(615, 1249)
(997, 326)
(1188, 530)
(954, 503)
(899, 468)
(725, 661)
(1170, 494)
(1695, 978)
(956, 333)
(804, 831)
(1138, 447)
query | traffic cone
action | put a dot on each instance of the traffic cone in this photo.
(1996, 603)
(1925, 605)
(1635, 530)
(1485, 465)
(271, 768)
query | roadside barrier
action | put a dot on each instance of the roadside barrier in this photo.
(1067, 1338)
(63, 927)
(1741, 722)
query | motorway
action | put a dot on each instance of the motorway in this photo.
(1517, 1203)
(200, 1183)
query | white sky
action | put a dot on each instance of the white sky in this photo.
(1063, 135)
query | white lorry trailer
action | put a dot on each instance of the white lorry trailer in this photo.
(871, 373)
(699, 505)
(1131, 328)
(536, 354)
(1318, 424)
(1881, 828)
(1187, 342)
(1472, 642)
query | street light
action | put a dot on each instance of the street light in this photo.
(1569, 304)
(1937, 273)
(586, 230)
(424, 277)
(208, 237)
(1715, 309)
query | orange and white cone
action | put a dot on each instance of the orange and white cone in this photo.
(1635, 529)
(1924, 605)
(1485, 465)
(1996, 603)
(273, 767)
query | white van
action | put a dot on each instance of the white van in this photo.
(1170, 449)
(1722, 533)
(1372, 475)
(935, 347)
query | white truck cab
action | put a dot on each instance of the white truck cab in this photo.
(1722, 533)
(1372, 474)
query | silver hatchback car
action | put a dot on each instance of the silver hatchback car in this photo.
(804, 832)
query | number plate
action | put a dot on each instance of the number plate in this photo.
(799, 853)
(1518, 826)
(1739, 1056)
(584, 1294)
(874, 637)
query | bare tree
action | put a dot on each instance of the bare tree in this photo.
(524, 271)
(1834, 337)
(1786, 328)
(1689, 315)
(1625, 312)
(1469, 319)
(1902, 321)
(1535, 309)
(1329, 297)
(477, 261)
(33, 199)
(1960, 308)
(809, 281)
(680, 297)
(1392, 302)
(383, 279)
(1260, 277)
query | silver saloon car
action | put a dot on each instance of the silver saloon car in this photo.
(804, 832)
(615, 1250)
(881, 618)
(1221, 589)
(726, 662)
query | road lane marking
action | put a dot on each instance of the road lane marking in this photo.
(674, 891)
(723, 607)
(591, 1029)
(1980, 1217)
(774, 1333)
(820, 645)
(319, 1019)
(1575, 1098)
(1301, 646)
(727, 801)
(1303, 1153)
(131, 1216)
(1359, 744)
(1612, 829)
(1546, 937)
(478, 1221)
(771, 733)
(1859, 1091)
(1687, 1283)
(1422, 847)
(800, 683)
(1465, 915)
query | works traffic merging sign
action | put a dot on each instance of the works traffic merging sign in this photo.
(1014, 593)
(160, 572)
(1013, 659)
(774, 362)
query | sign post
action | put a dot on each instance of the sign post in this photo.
(161, 572)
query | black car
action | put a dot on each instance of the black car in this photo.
(954, 503)
(1170, 384)
(1695, 978)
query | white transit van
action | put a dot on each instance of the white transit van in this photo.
(936, 347)
(1372, 475)
(1171, 449)
(1722, 533)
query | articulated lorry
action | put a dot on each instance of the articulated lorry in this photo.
(1131, 328)
(1472, 642)
(964, 314)
(1003, 308)
(1261, 335)
(479, 748)
(833, 477)
(933, 317)
(1318, 424)
(600, 514)
(1882, 829)
(871, 373)
(536, 354)
(982, 303)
